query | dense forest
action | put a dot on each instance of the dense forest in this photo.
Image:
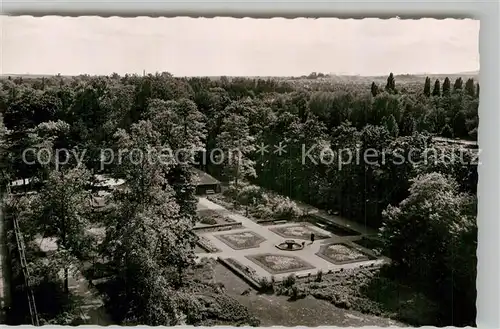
(425, 209)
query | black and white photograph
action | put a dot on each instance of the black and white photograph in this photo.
(239, 171)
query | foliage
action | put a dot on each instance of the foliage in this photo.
(432, 237)
(289, 281)
(266, 285)
(367, 290)
(148, 236)
(61, 211)
(427, 87)
(4, 172)
(236, 143)
(436, 92)
(317, 117)
(208, 220)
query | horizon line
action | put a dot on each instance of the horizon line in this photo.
(475, 72)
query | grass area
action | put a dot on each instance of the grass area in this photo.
(279, 310)
(199, 250)
(369, 291)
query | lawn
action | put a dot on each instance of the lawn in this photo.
(273, 310)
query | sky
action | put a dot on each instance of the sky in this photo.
(236, 47)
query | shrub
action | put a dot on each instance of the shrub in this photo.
(266, 286)
(289, 280)
(296, 293)
(208, 220)
(262, 211)
(250, 195)
(233, 191)
(284, 208)
(319, 276)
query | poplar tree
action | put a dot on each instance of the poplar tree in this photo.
(458, 84)
(446, 87)
(391, 83)
(374, 89)
(469, 87)
(437, 88)
(427, 87)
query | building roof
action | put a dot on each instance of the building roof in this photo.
(204, 178)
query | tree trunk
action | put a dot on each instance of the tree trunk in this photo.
(66, 280)
(237, 173)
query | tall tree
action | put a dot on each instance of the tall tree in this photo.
(477, 90)
(61, 210)
(447, 131)
(422, 235)
(391, 83)
(148, 237)
(236, 144)
(181, 124)
(391, 125)
(446, 87)
(374, 89)
(427, 87)
(437, 89)
(458, 84)
(469, 87)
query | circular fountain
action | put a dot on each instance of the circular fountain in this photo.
(290, 245)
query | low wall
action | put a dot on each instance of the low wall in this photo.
(206, 245)
(217, 227)
(239, 272)
(271, 221)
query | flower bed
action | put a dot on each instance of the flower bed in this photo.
(276, 264)
(222, 201)
(241, 240)
(264, 205)
(302, 231)
(207, 245)
(342, 253)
